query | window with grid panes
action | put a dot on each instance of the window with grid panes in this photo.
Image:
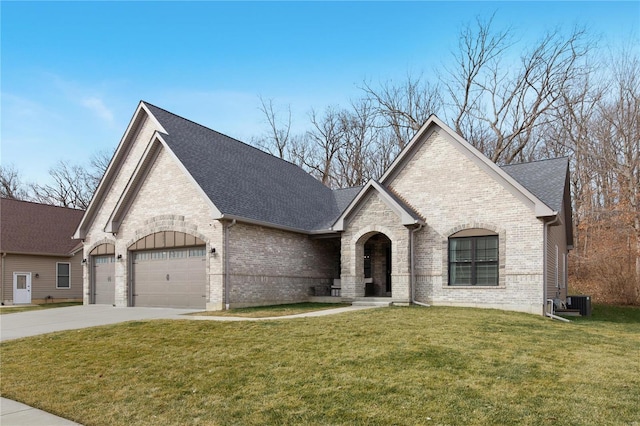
(473, 261)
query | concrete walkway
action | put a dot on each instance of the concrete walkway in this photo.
(14, 413)
(33, 323)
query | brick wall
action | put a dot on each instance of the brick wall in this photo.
(453, 192)
(168, 200)
(374, 216)
(270, 266)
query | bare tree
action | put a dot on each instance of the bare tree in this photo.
(405, 107)
(620, 133)
(71, 187)
(501, 109)
(278, 138)
(477, 48)
(324, 141)
(98, 165)
(11, 185)
(357, 156)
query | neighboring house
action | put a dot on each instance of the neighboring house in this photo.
(40, 262)
(188, 217)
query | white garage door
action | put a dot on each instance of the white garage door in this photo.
(104, 269)
(170, 278)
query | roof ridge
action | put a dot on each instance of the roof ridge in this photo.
(222, 134)
(536, 161)
(347, 187)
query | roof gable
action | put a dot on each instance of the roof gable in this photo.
(138, 120)
(149, 157)
(432, 124)
(244, 182)
(33, 228)
(405, 213)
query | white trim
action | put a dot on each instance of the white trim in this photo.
(58, 275)
(135, 124)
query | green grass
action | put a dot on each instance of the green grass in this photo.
(612, 314)
(388, 366)
(17, 308)
(273, 311)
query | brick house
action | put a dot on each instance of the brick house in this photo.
(188, 217)
(39, 261)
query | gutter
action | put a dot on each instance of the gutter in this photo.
(2, 273)
(227, 282)
(551, 315)
(235, 218)
(412, 296)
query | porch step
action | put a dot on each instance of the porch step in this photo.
(372, 301)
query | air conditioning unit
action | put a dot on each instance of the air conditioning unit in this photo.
(582, 303)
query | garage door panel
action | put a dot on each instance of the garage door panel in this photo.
(104, 280)
(170, 278)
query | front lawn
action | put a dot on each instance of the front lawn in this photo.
(387, 366)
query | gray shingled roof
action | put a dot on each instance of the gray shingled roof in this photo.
(545, 179)
(246, 182)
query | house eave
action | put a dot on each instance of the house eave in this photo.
(137, 122)
(27, 253)
(242, 219)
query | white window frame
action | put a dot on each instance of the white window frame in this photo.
(58, 275)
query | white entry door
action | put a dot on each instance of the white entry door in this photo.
(21, 288)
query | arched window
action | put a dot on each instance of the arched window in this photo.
(473, 258)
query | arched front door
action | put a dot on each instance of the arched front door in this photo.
(376, 267)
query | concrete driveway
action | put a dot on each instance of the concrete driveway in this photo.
(32, 323)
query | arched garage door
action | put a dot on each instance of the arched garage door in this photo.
(173, 278)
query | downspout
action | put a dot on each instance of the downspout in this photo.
(2, 279)
(413, 271)
(545, 277)
(227, 283)
(551, 315)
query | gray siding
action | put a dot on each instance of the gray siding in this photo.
(45, 284)
(556, 262)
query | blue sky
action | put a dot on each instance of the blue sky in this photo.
(72, 73)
